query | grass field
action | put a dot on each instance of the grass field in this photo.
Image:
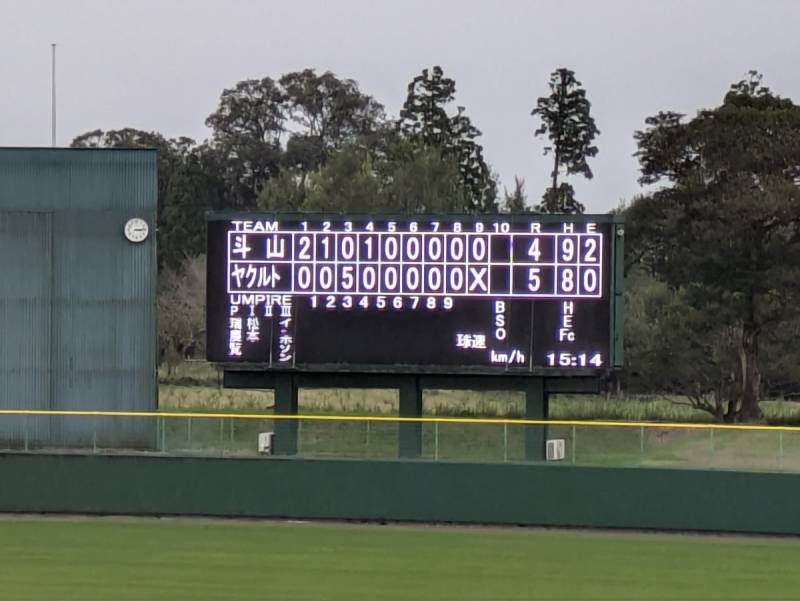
(137, 560)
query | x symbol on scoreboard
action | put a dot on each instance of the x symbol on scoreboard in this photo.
(478, 279)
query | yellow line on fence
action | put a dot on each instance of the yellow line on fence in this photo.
(397, 419)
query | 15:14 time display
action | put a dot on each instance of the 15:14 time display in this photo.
(567, 359)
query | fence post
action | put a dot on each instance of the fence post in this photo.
(574, 436)
(436, 440)
(189, 431)
(505, 441)
(25, 430)
(780, 444)
(299, 436)
(641, 441)
(163, 436)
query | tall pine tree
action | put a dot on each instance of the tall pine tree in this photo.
(424, 118)
(423, 115)
(566, 119)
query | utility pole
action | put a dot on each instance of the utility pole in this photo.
(53, 99)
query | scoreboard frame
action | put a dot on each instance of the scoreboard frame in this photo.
(615, 292)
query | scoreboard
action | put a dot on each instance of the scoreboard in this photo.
(522, 294)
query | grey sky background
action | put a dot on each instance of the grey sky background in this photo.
(161, 65)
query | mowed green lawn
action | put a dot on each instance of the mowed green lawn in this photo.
(147, 560)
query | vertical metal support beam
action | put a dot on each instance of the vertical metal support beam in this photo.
(618, 298)
(285, 404)
(410, 435)
(536, 407)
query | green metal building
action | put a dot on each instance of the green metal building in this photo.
(77, 294)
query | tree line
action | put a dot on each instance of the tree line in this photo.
(307, 141)
(712, 248)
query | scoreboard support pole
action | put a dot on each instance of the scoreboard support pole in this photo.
(285, 387)
(537, 406)
(410, 387)
(410, 436)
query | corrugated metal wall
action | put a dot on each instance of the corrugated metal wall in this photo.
(25, 310)
(77, 300)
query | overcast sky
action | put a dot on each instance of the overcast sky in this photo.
(161, 64)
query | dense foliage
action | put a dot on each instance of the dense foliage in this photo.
(723, 235)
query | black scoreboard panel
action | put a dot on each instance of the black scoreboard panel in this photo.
(444, 294)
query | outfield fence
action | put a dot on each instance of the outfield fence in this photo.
(607, 443)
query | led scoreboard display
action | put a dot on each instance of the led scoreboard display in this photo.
(451, 294)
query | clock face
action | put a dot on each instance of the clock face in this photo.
(136, 230)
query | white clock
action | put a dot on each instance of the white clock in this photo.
(136, 230)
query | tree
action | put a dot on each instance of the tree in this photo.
(725, 230)
(194, 188)
(515, 201)
(287, 191)
(425, 120)
(247, 128)
(313, 114)
(347, 183)
(330, 111)
(675, 348)
(479, 181)
(566, 120)
(420, 180)
(331, 114)
(560, 200)
(381, 174)
(304, 153)
(170, 153)
(423, 116)
(181, 311)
